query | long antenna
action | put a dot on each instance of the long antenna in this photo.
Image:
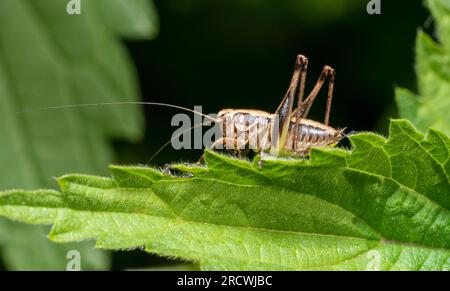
(177, 136)
(115, 103)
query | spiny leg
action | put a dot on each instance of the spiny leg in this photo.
(261, 160)
(284, 110)
(301, 93)
(327, 71)
(264, 144)
(329, 98)
(201, 160)
(221, 140)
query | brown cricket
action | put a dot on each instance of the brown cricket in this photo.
(287, 131)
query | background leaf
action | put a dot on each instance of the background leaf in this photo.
(386, 200)
(133, 19)
(430, 109)
(49, 58)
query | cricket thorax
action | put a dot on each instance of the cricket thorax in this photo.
(310, 134)
(246, 129)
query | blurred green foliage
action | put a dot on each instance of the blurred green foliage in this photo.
(48, 58)
(431, 109)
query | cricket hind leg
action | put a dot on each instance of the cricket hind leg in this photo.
(303, 107)
(306, 106)
(284, 110)
(301, 93)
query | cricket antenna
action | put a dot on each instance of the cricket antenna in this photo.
(116, 103)
(177, 136)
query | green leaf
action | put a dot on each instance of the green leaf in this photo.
(383, 205)
(430, 108)
(132, 18)
(49, 58)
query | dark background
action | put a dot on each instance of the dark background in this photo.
(240, 54)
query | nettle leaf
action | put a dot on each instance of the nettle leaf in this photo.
(133, 19)
(383, 205)
(431, 107)
(49, 58)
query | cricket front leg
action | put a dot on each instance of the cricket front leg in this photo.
(222, 141)
(261, 160)
(201, 160)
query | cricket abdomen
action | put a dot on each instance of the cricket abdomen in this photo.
(310, 134)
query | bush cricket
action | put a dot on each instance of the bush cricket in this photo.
(285, 132)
